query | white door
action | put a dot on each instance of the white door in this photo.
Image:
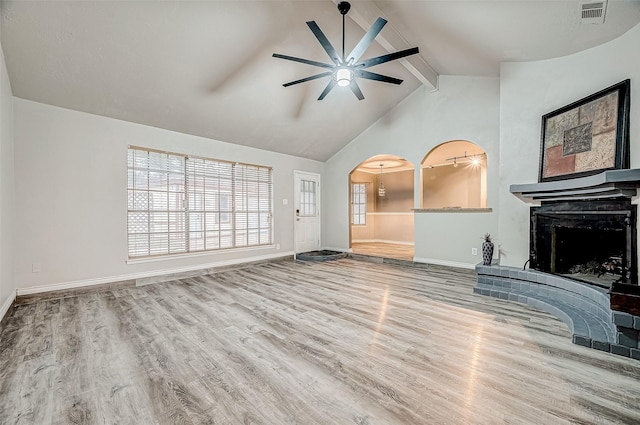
(307, 211)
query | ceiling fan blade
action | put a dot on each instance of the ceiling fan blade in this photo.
(386, 58)
(373, 76)
(355, 88)
(366, 40)
(325, 92)
(307, 61)
(324, 42)
(304, 80)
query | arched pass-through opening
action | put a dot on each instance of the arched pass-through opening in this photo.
(454, 176)
(381, 199)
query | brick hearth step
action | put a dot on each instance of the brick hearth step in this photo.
(582, 307)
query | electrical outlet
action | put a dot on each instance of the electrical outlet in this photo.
(277, 246)
(474, 251)
(36, 268)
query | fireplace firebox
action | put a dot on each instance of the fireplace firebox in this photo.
(593, 241)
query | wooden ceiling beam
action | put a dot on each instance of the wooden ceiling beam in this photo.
(365, 13)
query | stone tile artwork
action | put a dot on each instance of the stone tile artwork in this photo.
(558, 164)
(601, 155)
(581, 139)
(556, 126)
(577, 140)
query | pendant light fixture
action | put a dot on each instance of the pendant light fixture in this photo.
(381, 190)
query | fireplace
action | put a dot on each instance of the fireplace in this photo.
(583, 231)
(593, 241)
(585, 228)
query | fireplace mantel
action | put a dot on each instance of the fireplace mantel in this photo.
(608, 184)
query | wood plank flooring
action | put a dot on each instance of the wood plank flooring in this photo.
(386, 250)
(342, 342)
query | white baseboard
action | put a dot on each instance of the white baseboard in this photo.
(382, 241)
(141, 275)
(444, 263)
(7, 304)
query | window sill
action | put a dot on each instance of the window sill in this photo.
(198, 254)
(453, 210)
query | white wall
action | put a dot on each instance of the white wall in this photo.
(448, 238)
(394, 228)
(530, 90)
(7, 283)
(464, 108)
(71, 195)
(449, 186)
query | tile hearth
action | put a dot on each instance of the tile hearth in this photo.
(584, 308)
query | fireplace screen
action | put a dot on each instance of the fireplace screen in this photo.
(591, 255)
(590, 241)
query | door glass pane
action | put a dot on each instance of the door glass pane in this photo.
(307, 198)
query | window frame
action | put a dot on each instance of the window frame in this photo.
(308, 198)
(362, 213)
(244, 222)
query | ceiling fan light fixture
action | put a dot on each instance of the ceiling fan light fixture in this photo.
(345, 69)
(343, 77)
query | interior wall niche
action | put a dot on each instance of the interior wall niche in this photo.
(454, 176)
(387, 218)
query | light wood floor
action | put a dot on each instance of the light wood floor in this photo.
(386, 250)
(342, 342)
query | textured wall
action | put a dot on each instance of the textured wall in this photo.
(7, 224)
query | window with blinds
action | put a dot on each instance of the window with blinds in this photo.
(179, 204)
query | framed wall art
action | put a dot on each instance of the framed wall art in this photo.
(587, 136)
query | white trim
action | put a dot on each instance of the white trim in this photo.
(444, 263)
(382, 241)
(386, 170)
(453, 210)
(198, 254)
(390, 213)
(7, 304)
(131, 276)
(297, 174)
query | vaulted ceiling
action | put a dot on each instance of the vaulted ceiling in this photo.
(205, 68)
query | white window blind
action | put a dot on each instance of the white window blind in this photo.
(359, 203)
(179, 204)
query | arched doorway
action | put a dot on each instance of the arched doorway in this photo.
(380, 207)
(454, 176)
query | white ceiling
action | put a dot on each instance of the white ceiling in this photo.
(205, 68)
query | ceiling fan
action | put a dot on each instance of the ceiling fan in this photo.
(345, 69)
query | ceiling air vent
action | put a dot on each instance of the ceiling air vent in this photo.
(593, 12)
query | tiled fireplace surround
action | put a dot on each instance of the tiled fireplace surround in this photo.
(585, 308)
